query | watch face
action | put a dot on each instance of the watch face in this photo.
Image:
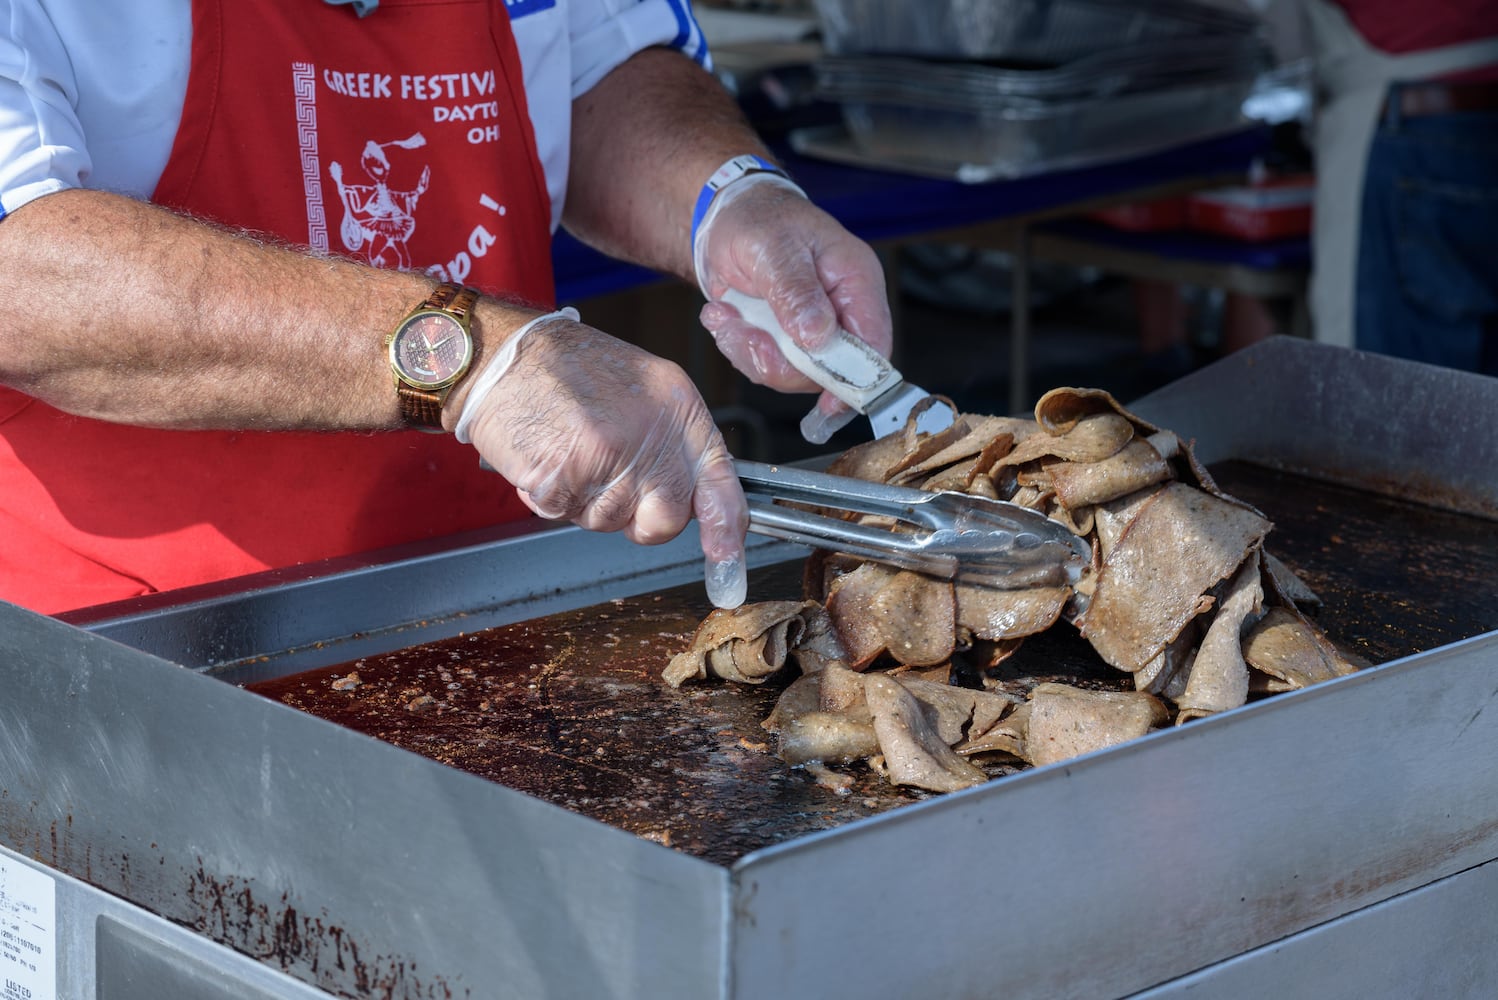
(430, 350)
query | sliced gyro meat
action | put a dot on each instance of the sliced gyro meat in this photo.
(1111, 519)
(818, 644)
(850, 602)
(1091, 439)
(841, 689)
(914, 752)
(989, 613)
(954, 711)
(1293, 652)
(1005, 736)
(1166, 674)
(802, 695)
(1066, 722)
(1179, 546)
(1135, 466)
(827, 738)
(806, 732)
(1287, 585)
(747, 644)
(1062, 408)
(982, 435)
(877, 609)
(1218, 679)
(871, 460)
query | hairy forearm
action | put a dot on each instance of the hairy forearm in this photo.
(127, 312)
(644, 141)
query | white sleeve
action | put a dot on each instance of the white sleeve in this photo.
(567, 46)
(604, 33)
(42, 148)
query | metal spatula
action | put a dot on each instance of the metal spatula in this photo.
(950, 535)
(853, 372)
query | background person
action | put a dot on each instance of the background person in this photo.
(1406, 146)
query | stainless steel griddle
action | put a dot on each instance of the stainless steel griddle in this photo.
(193, 838)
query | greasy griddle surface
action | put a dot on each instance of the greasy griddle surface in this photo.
(571, 709)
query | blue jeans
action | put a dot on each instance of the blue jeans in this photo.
(1427, 273)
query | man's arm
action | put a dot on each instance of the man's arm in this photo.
(125, 311)
(644, 141)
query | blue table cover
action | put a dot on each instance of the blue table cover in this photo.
(881, 205)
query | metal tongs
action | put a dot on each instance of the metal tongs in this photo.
(950, 535)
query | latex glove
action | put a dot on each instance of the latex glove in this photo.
(763, 237)
(598, 432)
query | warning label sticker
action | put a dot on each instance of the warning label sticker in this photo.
(28, 937)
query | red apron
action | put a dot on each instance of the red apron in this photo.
(400, 139)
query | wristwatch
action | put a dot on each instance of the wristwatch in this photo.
(430, 350)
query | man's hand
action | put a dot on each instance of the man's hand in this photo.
(769, 241)
(595, 431)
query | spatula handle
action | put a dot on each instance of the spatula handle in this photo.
(847, 367)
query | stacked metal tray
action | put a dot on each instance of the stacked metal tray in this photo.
(1064, 84)
(1038, 30)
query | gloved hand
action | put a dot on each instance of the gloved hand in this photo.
(763, 237)
(601, 433)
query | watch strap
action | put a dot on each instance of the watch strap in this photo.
(422, 408)
(452, 298)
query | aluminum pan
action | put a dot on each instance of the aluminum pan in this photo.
(1363, 420)
(297, 842)
(1371, 953)
(1111, 873)
(349, 864)
(278, 622)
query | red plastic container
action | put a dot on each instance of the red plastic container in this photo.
(1275, 209)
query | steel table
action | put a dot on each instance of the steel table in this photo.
(165, 833)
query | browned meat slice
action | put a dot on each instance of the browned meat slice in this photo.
(1133, 467)
(819, 644)
(1066, 722)
(1287, 583)
(808, 731)
(927, 446)
(876, 608)
(850, 600)
(1062, 408)
(841, 689)
(955, 711)
(745, 644)
(1079, 521)
(1003, 614)
(1113, 518)
(1218, 677)
(878, 459)
(979, 435)
(1292, 652)
(956, 478)
(1089, 440)
(914, 753)
(1005, 736)
(828, 738)
(1166, 674)
(871, 460)
(1182, 543)
(803, 695)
